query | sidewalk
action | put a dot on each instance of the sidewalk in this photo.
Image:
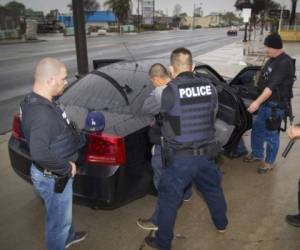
(231, 59)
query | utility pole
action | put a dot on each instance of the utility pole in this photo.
(245, 33)
(194, 16)
(139, 20)
(153, 13)
(80, 37)
(280, 21)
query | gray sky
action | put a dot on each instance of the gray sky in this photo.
(187, 5)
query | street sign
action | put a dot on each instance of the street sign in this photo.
(148, 8)
(246, 14)
(277, 14)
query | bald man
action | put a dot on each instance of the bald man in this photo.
(53, 145)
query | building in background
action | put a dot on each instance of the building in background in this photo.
(105, 19)
(210, 21)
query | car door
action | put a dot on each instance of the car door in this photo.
(232, 118)
(246, 84)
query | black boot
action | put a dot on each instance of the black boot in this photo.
(150, 241)
(293, 220)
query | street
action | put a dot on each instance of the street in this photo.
(17, 61)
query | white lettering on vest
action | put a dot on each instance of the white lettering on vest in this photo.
(188, 92)
(195, 92)
(182, 93)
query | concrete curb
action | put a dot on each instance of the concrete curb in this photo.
(8, 42)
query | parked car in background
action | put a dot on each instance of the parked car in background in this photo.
(114, 166)
(233, 31)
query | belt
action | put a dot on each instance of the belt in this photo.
(192, 152)
(45, 171)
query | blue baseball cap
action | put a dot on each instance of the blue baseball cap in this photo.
(95, 121)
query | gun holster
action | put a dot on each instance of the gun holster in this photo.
(273, 122)
(164, 153)
(60, 183)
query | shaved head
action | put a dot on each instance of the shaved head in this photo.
(50, 78)
(181, 61)
(159, 75)
(158, 70)
(47, 68)
(181, 58)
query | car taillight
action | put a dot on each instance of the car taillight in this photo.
(16, 128)
(105, 149)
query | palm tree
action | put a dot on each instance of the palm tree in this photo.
(259, 7)
(269, 5)
(88, 5)
(121, 9)
(293, 12)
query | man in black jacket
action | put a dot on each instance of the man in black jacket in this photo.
(53, 145)
(275, 84)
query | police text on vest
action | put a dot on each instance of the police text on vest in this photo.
(195, 91)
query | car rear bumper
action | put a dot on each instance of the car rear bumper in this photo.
(90, 186)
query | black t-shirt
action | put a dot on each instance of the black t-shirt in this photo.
(276, 74)
(41, 123)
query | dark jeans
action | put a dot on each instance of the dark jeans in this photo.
(157, 173)
(181, 172)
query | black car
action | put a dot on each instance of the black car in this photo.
(114, 167)
(233, 31)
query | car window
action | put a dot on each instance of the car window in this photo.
(247, 78)
(95, 92)
(206, 71)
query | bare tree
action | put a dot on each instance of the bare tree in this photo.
(177, 9)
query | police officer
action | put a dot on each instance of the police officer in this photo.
(275, 83)
(53, 145)
(189, 105)
(160, 78)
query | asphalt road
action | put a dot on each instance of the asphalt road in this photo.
(17, 61)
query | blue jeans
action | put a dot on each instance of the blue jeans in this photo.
(158, 171)
(241, 147)
(181, 172)
(59, 228)
(261, 135)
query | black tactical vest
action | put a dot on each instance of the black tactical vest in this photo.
(190, 123)
(68, 142)
(284, 92)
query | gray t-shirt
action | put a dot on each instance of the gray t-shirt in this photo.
(152, 104)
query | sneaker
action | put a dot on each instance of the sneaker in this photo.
(222, 231)
(265, 168)
(186, 199)
(235, 155)
(150, 241)
(250, 158)
(293, 220)
(79, 236)
(146, 224)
